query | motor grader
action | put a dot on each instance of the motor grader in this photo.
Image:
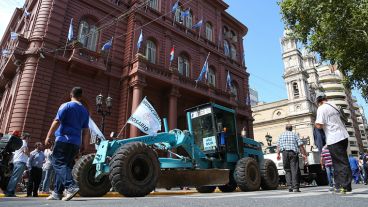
(209, 154)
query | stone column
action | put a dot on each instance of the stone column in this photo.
(173, 108)
(137, 95)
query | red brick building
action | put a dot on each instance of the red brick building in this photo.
(37, 72)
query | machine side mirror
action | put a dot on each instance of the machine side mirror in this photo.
(113, 135)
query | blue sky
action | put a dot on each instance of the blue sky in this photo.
(262, 44)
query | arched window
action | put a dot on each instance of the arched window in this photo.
(209, 31)
(295, 90)
(225, 31)
(189, 20)
(151, 51)
(234, 37)
(183, 65)
(233, 52)
(226, 48)
(178, 17)
(234, 90)
(153, 4)
(88, 35)
(212, 77)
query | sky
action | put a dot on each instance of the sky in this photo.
(261, 44)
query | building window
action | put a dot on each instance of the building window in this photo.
(226, 48)
(295, 90)
(153, 4)
(234, 37)
(151, 51)
(88, 35)
(183, 65)
(234, 91)
(189, 20)
(178, 17)
(209, 31)
(212, 77)
(233, 52)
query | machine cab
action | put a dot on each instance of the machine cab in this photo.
(214, 128)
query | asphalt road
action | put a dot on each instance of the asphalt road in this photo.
(310, 196)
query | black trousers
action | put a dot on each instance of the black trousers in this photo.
(290, 160)
(35, 176)
(340, 162)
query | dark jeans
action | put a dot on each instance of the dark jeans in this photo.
(340, 161)
(63, 161)
(35, 176)
(290, 160)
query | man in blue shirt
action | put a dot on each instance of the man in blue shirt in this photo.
(70, 123)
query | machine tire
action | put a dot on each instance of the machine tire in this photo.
(247, 174)
(269, 175)
(84, 175)
(5, 175)
(206, 189)
(231, 186)
(134, 170)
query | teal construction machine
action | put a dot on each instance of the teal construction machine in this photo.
(209, 154)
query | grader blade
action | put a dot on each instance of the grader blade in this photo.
(193, 178)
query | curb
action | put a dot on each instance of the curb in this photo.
(116, 194)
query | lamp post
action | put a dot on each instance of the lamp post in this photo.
(268, 139)
(103, 110)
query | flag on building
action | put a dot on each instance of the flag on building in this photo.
(5, 52)
(107, 45)
(204, 71)
(176, 5)
(70, 32)
(95, 132)
(228, 81)
(140, 40)
(172, 54)
(26, 13)
(185, 13)
(198, 25)
(13, 35)
(145, 118)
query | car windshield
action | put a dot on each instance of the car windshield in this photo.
(270, 150)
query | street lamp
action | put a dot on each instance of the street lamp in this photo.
(268, 139)
(103, 111)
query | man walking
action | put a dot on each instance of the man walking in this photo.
(290, 145)
(70, 123)
(364, 159)
(328, 119)
(354, 166)
(20, 158)
(35, 162)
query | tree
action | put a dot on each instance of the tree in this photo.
(337, 30)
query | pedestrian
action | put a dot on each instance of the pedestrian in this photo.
(328, 119)
(20, 158)
(48, 171)
(290, 145)
(354, 166)
(326, 164)
(34, 164)
(70, 124)
(364, 159)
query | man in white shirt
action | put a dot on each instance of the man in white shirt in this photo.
(20, 159)
(328, 118)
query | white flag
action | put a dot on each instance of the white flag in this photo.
(146, 119)
(95, 132)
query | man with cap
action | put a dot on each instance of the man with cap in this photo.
(328, 119)
(290, 145)
(70, 123)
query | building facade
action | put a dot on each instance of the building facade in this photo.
(41, 68)
(303, 77)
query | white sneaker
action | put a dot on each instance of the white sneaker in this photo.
(54, 196)
(70, 193)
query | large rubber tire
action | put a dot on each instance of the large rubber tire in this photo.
(247, 174)
(231, 186)
(5, 175)
(269, 175)
(84, 175)
(206, 189)
(134, 170)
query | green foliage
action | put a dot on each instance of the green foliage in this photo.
(337, 30)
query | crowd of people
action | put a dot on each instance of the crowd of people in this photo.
(57, 160)
(331, 138)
